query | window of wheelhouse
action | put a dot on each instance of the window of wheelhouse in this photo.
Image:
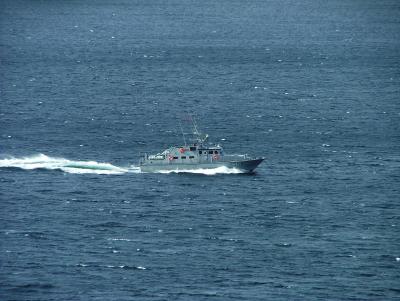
(192, 148)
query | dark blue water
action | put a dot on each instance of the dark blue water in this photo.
(311, 85)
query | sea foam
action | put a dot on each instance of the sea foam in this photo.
(42, 161)
(204, 171)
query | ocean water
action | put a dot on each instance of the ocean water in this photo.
(313, 86)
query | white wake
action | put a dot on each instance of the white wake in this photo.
(204, 171)
(78, 167)
(42, 161)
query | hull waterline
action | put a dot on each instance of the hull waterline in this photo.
(245, 166)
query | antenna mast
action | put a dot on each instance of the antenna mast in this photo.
(183, 134)
(196, 131)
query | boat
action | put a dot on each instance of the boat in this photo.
(199, 154)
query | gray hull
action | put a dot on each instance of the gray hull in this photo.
(245, 166)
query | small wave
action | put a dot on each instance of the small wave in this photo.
(204, 171)
(125, 267)
(34, 286)
(42, 161)
(106, 225)
(119, 239)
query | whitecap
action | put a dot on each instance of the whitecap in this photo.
(119, 239)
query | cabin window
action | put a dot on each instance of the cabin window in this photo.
(175, 158)
(210, 152)
(215, 152)
(200, 152)
(183, 157)
(192, 148)
(191, 157)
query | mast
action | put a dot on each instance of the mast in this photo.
(196, 132)
(183, 134)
